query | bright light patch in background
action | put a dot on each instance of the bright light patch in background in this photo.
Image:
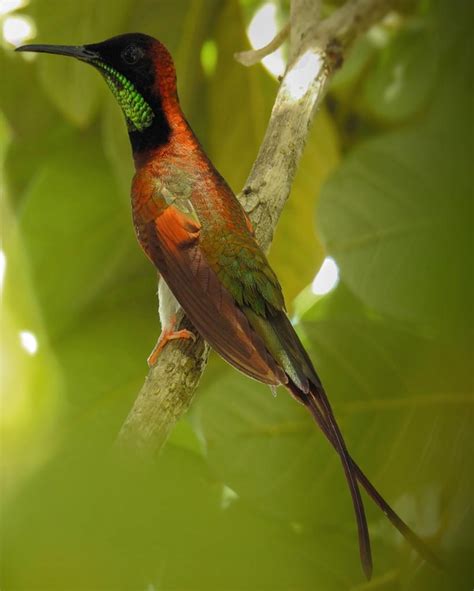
(18, 29)
(302, 74)
(327, 277)
(28, 341)
(3, 268)
(262, 29)
(228, 497)
(7, 6)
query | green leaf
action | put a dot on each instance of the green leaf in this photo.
(354, 67)
(76, 229)
(404, 76)
(28, 114)
(103, 353)
(117, 147)
(31, 119)
(396, 214)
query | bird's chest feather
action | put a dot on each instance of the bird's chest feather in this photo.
(154, 191)
(176, 194)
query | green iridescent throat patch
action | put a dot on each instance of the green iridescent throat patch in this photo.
(137, 111)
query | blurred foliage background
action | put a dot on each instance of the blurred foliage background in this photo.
(247, 495)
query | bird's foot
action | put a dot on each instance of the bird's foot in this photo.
(165, 337)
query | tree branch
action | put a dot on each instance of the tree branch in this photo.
(253, 56)
(316, 50)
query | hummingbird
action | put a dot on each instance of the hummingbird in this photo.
(196, 233)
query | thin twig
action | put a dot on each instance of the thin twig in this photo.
(253, 56)
(315, 50)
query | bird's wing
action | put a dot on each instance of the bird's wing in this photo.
(172, 242)
(243, 269)
(234, 299)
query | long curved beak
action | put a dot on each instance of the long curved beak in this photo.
(78, 51)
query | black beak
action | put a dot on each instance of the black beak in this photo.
(78, 51)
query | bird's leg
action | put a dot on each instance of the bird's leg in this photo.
(168, 309)
(165, 336)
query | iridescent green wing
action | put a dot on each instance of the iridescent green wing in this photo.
(243, 269)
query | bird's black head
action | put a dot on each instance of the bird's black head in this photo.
(140, 73)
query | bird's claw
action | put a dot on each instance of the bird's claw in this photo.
(165, 337)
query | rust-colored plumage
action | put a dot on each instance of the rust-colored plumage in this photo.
(195, 232)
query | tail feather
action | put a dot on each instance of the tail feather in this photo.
(340, 445)
(416, 542)
(303, 382)
(316, 400)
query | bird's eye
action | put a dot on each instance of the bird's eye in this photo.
(132, 54)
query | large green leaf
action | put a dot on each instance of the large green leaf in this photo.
(76, 229)
(396, 214)
(405, 72)
(103, 354)
(28, 113)
(31, 118)
(387, 220)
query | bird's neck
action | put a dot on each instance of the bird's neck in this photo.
(151, 138)
(169, 126)
(170, 136)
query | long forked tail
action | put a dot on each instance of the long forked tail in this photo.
(317, 403)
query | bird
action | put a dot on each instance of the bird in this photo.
(196, 233)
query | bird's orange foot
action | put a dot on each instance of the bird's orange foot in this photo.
(165, 336)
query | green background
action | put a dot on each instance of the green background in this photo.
(247, 495)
